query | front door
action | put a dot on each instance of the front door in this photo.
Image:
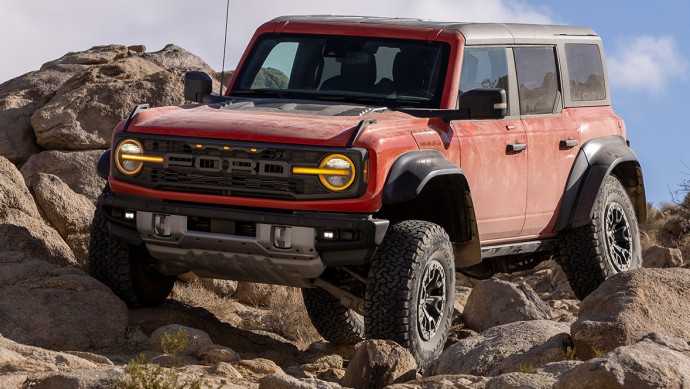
(492, 152)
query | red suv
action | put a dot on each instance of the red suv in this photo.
(365, 160)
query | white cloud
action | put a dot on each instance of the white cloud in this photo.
(36, 32)
(646, 63)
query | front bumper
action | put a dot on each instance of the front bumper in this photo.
(242, 244)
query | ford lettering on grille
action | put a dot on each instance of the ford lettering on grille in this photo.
(230, 165)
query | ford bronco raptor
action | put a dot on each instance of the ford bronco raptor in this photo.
(366, 160)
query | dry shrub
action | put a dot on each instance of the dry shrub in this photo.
(288, 317)
(277, 309)
(195, 294)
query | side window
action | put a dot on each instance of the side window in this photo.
(585, 71)
(484, 67)
(276, 69)
(537, 79)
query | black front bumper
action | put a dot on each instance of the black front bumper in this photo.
(367, 232)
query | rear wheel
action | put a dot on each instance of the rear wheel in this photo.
(411, 289)
(126, 269)
(335, 322)
(608, 244)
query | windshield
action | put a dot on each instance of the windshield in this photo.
(369, 70)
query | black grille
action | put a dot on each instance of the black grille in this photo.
(218, 168)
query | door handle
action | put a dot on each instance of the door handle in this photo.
(568, 143)
(516, 147)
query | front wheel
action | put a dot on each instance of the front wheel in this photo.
(608, 244)
(411, 289)
(126, 269)
(334, 321)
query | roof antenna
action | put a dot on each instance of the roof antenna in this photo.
(225, 44)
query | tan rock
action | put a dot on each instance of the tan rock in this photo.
(258, 367)
(76, 311)
(378, 363)
(630, 305)
(661, 257)
(657, 361)
(504, 348)
(19, 99)
(216, 353)
(519, 380)
(16, 357)
(459, 381)
(76, 169)
(283, 381)
(495, 302)
(69, 212)
(226, 370)
(14, 195)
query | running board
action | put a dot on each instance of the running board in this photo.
(507, 250)
(510, 258)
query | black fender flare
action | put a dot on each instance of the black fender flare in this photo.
(416, 170)
(103, 166)
(413, 170)
(597, 159)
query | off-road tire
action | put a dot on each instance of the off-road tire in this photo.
(125, 268)
(411, 252)
(585, 252)
(332, 320)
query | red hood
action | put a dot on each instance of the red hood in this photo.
(207, 122)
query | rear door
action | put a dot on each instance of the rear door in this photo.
(492, 152)
(552, 138)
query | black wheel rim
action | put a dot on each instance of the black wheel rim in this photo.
(618, 237)
(432, 300)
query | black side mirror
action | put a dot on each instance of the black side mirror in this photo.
(483, 103)
(197, 85)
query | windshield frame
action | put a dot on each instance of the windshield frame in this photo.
(252, 64)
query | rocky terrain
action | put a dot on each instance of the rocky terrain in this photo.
(60, 328)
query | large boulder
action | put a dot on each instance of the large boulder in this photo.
(378, 363)
(505, 349)
(21, 225)
(630, 305)
(69, 212)
(56, 307)
(84, 110)
(74, 102)
(495, 302)
(657, 256)
(657, 361)
(76, 169)
(19, 99)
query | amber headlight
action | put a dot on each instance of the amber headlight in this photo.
(336, 172)
(126, 157)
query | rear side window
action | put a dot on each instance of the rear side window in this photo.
(585, 71)
(537, 79)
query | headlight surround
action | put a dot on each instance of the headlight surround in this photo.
(125, 164)
(342, 172)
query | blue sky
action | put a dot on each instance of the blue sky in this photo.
(648, 59)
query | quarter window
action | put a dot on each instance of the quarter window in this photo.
(537, 79)
(585, 72)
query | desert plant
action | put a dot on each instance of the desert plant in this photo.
(173, 342)
(570, 354)
(528, 368)
(142, 374)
